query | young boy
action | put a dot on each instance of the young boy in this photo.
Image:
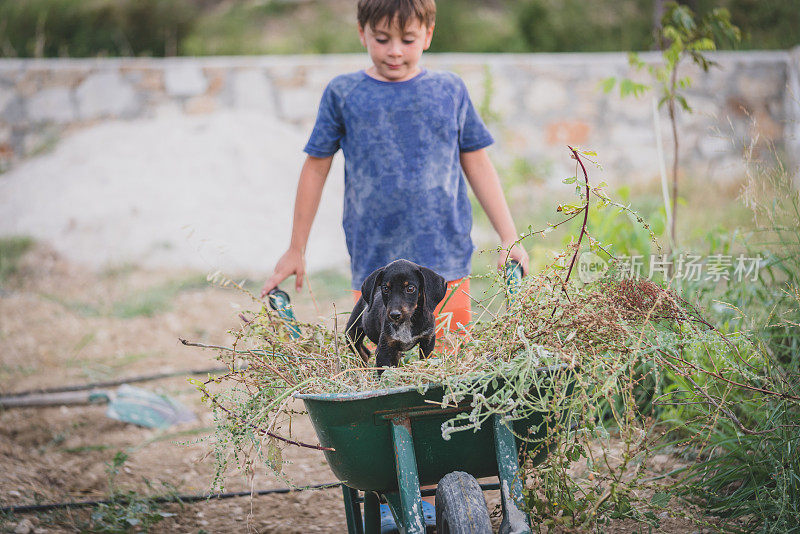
(407, 134)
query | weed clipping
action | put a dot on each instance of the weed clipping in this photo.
(619, 369)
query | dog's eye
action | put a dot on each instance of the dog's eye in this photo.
(385, 289)
(410, 288)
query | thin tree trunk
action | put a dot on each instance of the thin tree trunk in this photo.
(675, 147)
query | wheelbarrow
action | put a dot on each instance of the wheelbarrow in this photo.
(388, 443)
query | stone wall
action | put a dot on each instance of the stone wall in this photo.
(792, 129)
(535, 104)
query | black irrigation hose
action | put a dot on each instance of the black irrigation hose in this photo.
(166, 499)
(427, 492)
(118, 382)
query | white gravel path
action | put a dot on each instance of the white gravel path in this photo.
(212, 192)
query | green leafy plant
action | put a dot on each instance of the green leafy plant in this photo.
(748, 469)
(127, 510)
(679, 37)
(485, 106)
(624, 233)
(550, 26)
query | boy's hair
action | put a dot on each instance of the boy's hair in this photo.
(373, 12)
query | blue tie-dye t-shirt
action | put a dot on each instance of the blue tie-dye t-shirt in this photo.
(405, 193)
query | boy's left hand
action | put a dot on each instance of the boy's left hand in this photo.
(516, 253)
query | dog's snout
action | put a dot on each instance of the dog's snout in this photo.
(395, 315)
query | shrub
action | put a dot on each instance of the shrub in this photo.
(75, 28)
(745, 428)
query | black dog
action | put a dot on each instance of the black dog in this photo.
(395, 311)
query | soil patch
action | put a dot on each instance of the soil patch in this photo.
(63, 324)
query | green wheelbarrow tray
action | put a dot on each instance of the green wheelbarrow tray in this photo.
(390, 442)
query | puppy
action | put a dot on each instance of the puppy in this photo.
(395, 311)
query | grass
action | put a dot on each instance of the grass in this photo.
(86, 448)
(163, 436)
(7, 371)
(156, 299)
(11, 251)
(47, 142)
(172, 436)
(119, 270)
(128, 511)
(84, 342)
(148, 302)
(79, 308)
(108, 367)
(748, 470)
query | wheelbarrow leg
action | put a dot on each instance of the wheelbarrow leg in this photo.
(372, 513)
(352, 510)
(514, 519)
(408, 511)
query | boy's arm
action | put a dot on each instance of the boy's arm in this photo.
(485, 183)
(309, 191)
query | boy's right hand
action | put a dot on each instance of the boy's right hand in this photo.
(291, 263)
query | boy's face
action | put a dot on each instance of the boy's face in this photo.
(395, 52)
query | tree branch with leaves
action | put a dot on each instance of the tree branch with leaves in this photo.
(679, 37)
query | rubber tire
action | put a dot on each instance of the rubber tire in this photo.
(460, 506)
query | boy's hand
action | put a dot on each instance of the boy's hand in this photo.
(516, 253)
(291, 263)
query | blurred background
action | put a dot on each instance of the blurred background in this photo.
(169, 133)
(77, 28)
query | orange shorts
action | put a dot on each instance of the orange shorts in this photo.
(455, 310)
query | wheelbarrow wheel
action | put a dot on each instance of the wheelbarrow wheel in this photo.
(460, 506)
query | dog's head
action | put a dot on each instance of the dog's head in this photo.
(405, 287)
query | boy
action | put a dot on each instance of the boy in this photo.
(406, 134)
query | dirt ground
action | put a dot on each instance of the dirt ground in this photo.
(62, 324)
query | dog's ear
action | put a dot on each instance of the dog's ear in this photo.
(368, 287)
(433, 288)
